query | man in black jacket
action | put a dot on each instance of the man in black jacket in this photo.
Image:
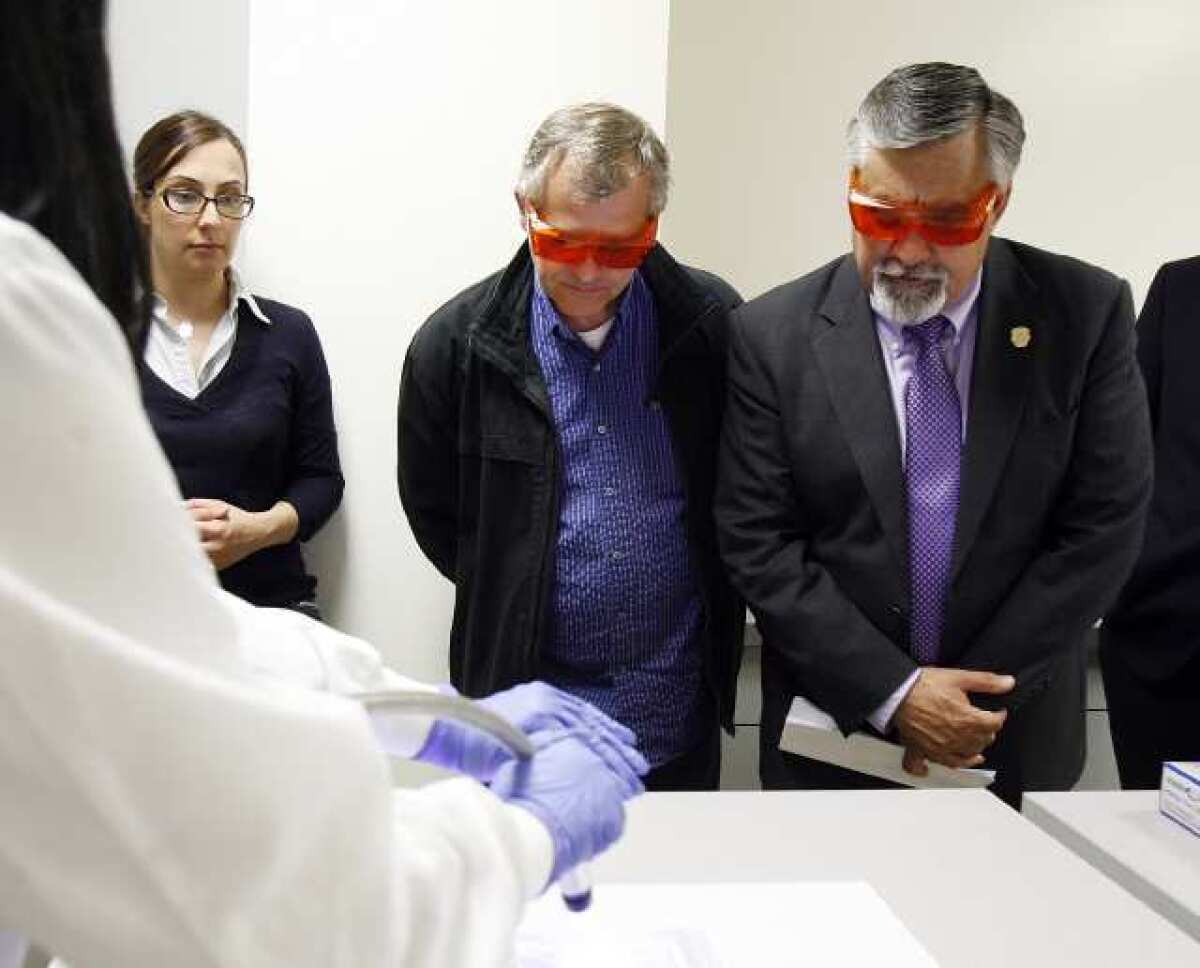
(558, 433)
(936, 457)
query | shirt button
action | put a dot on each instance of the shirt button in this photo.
(617, 555)
(595, 367)
(602, 429)
(610, 491)
(655, 405)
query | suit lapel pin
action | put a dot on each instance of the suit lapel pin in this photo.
(1020, 336)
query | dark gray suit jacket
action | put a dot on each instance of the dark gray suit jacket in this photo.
(1056, 475)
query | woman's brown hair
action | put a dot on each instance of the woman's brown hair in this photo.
(167, 141)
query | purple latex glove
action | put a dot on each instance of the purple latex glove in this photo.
(573, 792)
(531, 707)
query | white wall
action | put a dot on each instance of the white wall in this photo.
(171, 54)
(384, 140)
(758, 102)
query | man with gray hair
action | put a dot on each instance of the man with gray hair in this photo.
(936, 458)
(558, 436)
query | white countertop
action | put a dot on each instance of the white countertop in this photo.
(978, 885)
(1124, 835)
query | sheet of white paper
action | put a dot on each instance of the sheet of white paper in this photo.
(810, 731)
(832, 924)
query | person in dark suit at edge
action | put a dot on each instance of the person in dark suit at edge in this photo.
(935, 461)
(1150, 643)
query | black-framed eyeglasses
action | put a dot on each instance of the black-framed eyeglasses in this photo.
(189, 201)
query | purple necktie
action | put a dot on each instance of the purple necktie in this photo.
(933, 421)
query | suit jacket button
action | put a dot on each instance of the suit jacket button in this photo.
(895, 609)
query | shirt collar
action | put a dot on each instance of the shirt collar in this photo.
(545, 309)
(238, 292)
(958, 312)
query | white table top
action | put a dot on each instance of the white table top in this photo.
(973, 881)
(1124, 835)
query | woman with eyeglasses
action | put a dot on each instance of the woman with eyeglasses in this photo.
(235, 385)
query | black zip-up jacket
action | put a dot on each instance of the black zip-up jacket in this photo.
(479, 466)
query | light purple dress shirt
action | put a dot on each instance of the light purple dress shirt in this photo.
(12, 950)
(958, 348)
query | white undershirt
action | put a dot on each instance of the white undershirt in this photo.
(593, 339)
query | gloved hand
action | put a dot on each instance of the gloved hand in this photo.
(531, 707)
(571, 790)
(537, 706)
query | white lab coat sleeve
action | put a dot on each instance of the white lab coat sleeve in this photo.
(161, 806)
(284, 647)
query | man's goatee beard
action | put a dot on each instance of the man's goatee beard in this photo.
(908, 295)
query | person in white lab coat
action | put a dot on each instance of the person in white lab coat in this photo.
(172, 789)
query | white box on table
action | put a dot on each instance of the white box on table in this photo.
(1179, 795)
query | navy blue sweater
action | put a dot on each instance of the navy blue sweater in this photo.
(261, 432)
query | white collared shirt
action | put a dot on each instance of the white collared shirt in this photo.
(167, 342)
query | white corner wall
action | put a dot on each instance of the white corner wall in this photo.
(759, 98)
(384, 140)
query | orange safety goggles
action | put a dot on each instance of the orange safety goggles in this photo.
(556, 245)
(887, 221)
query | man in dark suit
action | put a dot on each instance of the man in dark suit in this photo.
(935, 462)
(1150, 643)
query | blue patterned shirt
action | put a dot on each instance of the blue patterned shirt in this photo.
(626, 611)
